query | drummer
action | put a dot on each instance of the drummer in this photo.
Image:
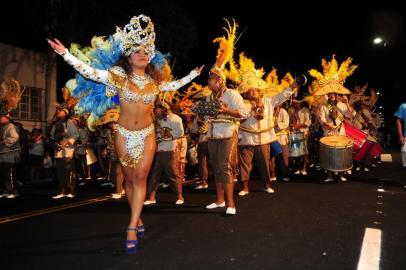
(332, 116)
(257, 132)
(300, 122)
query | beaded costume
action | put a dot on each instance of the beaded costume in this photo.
(110, 84)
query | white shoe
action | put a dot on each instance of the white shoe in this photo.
(358, 168)
(272, 179)
(123, 192)
(342, 178)
(269, 190)
(242, 193)
(105, 184)
(286, 179)
(235, 180)
(180, 202)
(366, 169)
(4, 195)
(164, 185)
(231, 211)
(297, 172)
(59, 196)
(311, 165)
(215, 205)
(202, 187)
(349, 172)
(70, 195)
(373, 165)
(329, 180)
(81, 184)
(303, 172)
(148, 202)
(116, 196)
(12, 196)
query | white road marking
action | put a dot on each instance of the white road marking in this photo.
(371, 250)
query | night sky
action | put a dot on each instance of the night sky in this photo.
(286, 35)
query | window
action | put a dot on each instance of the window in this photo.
(30, 105)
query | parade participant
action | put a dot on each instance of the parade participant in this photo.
(400, 115)
(281, 118)
(223, 124)
(113, 168)
(200, 128)
(257, 131)
(301, 122)
(136, 73)
(10, 149)
(334, 112)
(169, 129)
(64, 135)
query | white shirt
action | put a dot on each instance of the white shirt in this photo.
(325, 118)
(174, 123)
(282, 122)
(266, 124)
(223, 126)
(304, 117)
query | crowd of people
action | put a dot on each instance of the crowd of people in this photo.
(139, 131)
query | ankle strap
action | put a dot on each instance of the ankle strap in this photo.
(131, 229)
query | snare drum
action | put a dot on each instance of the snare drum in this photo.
(358, 136)
(336, 153)
(297, 144)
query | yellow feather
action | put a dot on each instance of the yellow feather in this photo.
(333, 66)
(316, 74)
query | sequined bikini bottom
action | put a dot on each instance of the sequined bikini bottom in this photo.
(134, 144)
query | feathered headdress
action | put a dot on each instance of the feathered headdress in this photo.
(275, 85)
(332, 78)
(10, 95)
(103, 53)
(226, 49)
(359, 96)
(245, 75)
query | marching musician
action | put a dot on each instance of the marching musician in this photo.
(169, 128)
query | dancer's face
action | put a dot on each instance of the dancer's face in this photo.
(138, 60)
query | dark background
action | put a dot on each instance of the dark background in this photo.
(286, 35)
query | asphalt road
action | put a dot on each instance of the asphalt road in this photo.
(305, 224)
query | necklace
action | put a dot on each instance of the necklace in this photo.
(139, 80)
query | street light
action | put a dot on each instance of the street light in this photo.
(378, 40)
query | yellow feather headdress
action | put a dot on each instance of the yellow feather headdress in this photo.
(226, 48)
(276, 85)
(245, 75)
(332, 77)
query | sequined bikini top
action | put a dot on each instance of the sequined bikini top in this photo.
(132, 88)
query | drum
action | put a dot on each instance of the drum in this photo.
(336, 153)
(276, 148)
(192, 156)
(369, 150)
(297, 144)
(357, 135)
